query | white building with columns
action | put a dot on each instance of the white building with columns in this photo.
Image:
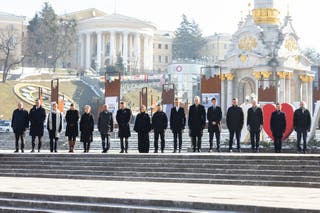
(103, 38)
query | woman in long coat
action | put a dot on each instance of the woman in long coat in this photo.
(54, 126)
(86, 128)
(143, 126)
(72, 118)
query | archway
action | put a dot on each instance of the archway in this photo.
(247, 89)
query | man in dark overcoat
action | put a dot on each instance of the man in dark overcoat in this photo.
(235, 119)
(196, 123)
(142, 126)
(105, 127)
(254, 125)
(278, 127)
(123, 118)
(214, 116)
(37, 117)
(177, 124)
(159, 125)
(19, 124)
(302, 125)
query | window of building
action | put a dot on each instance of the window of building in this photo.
(159, 46)
(166, 46)
(167, 59)
(159, 58)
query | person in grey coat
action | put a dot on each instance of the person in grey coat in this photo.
(105, 127)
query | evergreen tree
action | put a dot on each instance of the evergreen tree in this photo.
(188, 40)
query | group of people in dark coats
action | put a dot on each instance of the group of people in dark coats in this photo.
(158, 123)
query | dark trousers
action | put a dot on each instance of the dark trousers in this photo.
(231, 136)
(255, 139)
(277, 143)
(53, 141)
(124, 146)
(21, 137)
(143, 142)
(33, 142)
(86, 146)
(156, 139)
(105, 144)
(211, 134)
(177, 135)
(196, 142)
(303, 133)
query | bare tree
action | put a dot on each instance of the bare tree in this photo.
(9, 45)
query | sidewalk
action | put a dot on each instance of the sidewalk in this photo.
(276, 197)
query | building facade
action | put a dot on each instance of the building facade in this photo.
(216, 47)
(162, 51)
(17, 25)
(265, 52)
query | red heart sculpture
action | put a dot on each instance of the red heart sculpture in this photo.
(288, 109)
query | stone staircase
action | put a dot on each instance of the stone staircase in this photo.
(239, 169)
(284, 170)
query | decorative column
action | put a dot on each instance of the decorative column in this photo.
(282, 91)
(88, 50)
(99, 50)
(125, 49)
(229, 77)
(103, 49)
(137, 51)
(112, 47)
(266, 78)
(306, 93)
(222, 95)
(288, 86)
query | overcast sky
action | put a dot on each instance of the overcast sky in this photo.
(212, 15)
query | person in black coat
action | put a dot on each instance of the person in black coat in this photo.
(302, 125)
(278, 127)
(235, 119)
(123, 118)
(142, 126)
(177, 124)
(159, 126)
(214, 116)
(37, 117)
(72, 119)
(196, 123)
(19, 124)
(254, 125)
(86, 128)
(105, 127)
(54, 126)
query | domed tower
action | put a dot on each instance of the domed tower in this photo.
(265, 12)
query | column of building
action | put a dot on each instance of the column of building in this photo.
(281, 93)
(229, 77)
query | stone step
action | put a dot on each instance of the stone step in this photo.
(59, 204)
(166, 169)
(81, 204)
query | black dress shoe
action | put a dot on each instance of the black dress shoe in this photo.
(16, 151)
(179, 150)
(121, 151)
(218, 150)
(126, 151)
(155, 151)
(22, 150)
(199, 150)
(174, 151)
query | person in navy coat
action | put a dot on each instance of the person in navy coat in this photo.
(302, 125)
(19, 124)
(214, 116)
(177, 124)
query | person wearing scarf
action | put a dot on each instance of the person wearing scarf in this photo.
(54, 126)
